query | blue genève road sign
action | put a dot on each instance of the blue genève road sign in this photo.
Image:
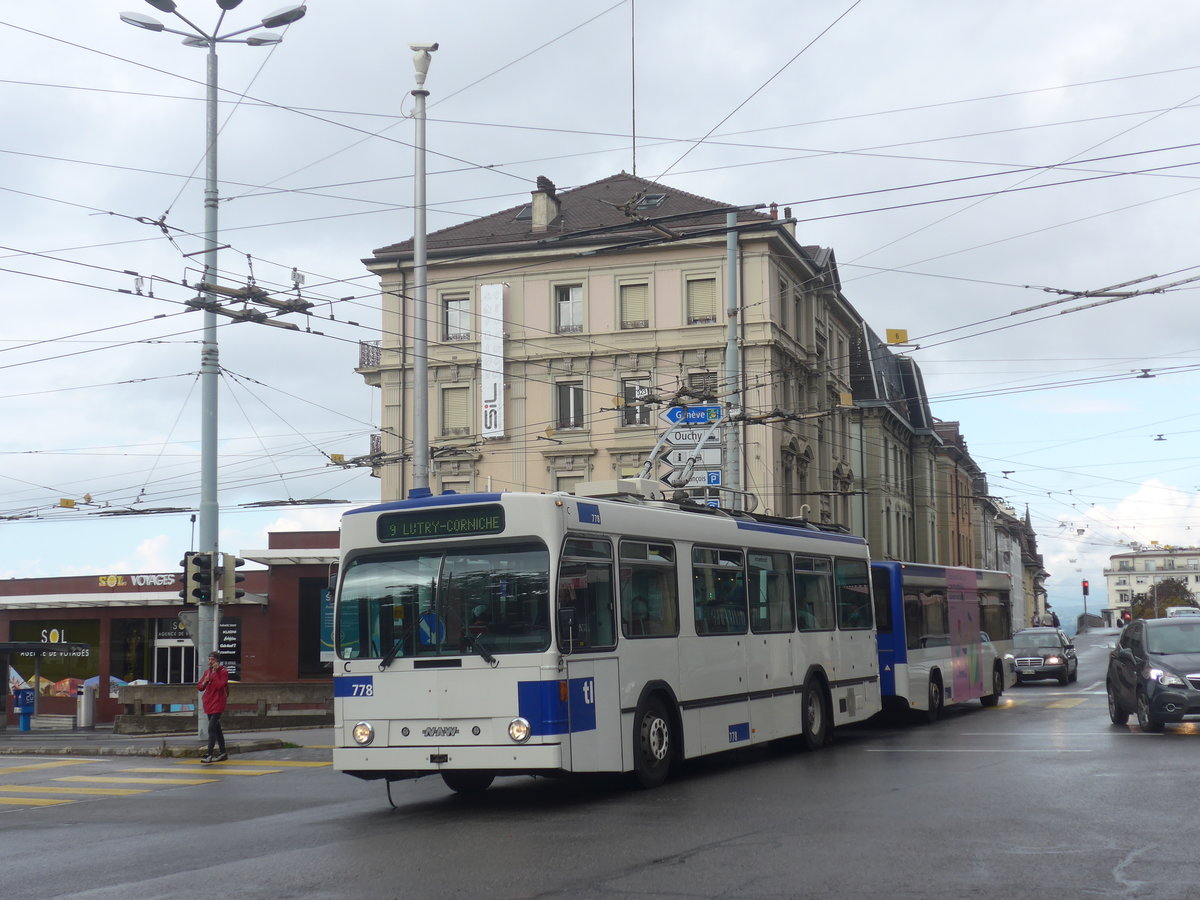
(691, 415)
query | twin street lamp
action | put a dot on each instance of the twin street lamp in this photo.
(205, 637)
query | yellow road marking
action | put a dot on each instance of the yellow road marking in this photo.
(265, 762)
(43, 789)
(32, 767)
(32, 801)
(1063, 704)
(222, 771)
(120, 780)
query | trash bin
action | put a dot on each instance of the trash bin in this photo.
(85, 707)
(23, 707)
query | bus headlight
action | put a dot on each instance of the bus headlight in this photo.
(363, 733)
(519, 730)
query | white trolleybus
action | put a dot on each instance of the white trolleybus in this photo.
(945, 635)
(512, 633)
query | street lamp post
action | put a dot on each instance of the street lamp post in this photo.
(420, 482)
(208, 614)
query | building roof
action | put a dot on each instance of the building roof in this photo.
(613, 210)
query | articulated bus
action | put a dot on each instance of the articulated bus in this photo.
(945, 635)
(493, 634)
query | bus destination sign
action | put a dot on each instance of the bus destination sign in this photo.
(429, 524)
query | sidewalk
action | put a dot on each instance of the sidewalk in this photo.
(100, 741)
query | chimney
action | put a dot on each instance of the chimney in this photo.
(544, 209)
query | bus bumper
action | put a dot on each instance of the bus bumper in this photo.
(409, 762)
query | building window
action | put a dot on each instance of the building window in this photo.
(456, 312)
(635, 305)
(634, 391)
(701, 301)
(703, 385)
(569, 411)
(568, 302)
(568, 481)
(456, 410)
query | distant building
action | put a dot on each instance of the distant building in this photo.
(1132, 576)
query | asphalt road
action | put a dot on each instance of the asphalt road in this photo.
(1039, 797)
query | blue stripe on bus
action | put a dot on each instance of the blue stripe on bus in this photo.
(422, 502)
(796, 530)
(540, 703)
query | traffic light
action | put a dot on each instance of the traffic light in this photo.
(231, 578)
(186, 565)
(198, 578)
(1085, 587)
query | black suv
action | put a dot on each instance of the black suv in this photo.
(1154, 672)
(1044, 653)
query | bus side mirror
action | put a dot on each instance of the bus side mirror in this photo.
(566, 628)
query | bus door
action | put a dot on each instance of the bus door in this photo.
(593, 696)
(889, 623)
(587, 637)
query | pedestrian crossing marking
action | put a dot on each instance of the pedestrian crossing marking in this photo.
(222, 771)
(32, 801)
(33, 767)
(266, 762)
(45, 789)
(114, 779)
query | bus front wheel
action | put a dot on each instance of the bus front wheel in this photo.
(652, 744)
(814, 715)
(462, 782)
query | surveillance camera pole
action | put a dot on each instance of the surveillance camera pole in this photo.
(420, 476)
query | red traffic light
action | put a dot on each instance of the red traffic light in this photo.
(1085, 587)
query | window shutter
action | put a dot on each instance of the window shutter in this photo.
(456, 410)
(635, 306)
(702, 300)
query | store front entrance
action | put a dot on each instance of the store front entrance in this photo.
(174, 662)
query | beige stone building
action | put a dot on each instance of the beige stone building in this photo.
(611, 310)
(561, 331)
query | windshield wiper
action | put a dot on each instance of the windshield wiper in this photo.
(477, 645)
(397, 645)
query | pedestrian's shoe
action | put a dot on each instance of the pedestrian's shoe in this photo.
(206, 760)
(220, 757)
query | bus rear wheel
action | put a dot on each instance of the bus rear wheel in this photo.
(468, 782)
(814, 716)
(652, 744)
(997, 689)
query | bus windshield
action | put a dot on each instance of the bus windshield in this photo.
(455, 601)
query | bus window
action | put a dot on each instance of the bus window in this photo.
(585, 584)
(814, 594)
(926, 618)
(853, 594)
(881, 593)
(995, 615)
(649, 593)
(771, 608)
(718, 591)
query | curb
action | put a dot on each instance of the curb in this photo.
(160, 750)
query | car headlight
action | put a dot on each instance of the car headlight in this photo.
(363, 733)
(1054, 660)
(1166, 679)
(519, 730)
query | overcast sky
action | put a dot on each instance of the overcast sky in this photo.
(960, 159)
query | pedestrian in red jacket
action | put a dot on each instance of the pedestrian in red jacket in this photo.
(214, 684)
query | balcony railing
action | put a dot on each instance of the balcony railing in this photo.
(369, 354)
